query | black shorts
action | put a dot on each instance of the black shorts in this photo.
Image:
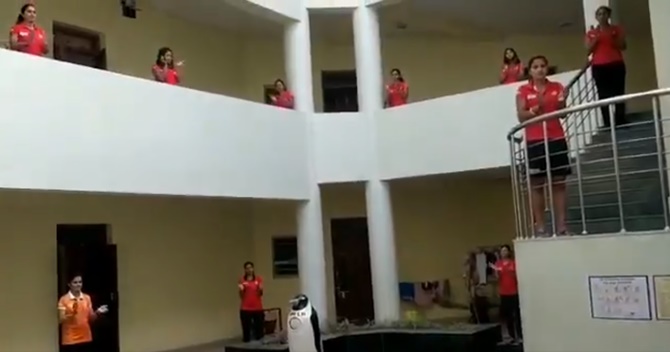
(559, 158)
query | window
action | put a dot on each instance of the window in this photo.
(285, 256)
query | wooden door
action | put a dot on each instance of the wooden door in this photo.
(351, 265)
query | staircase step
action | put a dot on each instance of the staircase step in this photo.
(653, 222)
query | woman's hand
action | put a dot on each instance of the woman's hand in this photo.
(493, 267)
(180, 63)
(102, 309)
(240, 287)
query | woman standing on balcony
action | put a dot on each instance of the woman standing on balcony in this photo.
(542, 96)
(283, 98)
(164, 70)
(606, 44)
(512, 70)
(26, 36)
(397, 91)
(252, 315)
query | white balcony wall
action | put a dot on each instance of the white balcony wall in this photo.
(332, 4)
(555, 300)
(286, 8)
(67, 127)
(343, 147)
(461, 132)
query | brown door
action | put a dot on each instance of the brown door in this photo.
(351, 263)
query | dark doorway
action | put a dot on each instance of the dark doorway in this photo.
(86, 250)
(78, 46)
(340, 91)
(351, 265)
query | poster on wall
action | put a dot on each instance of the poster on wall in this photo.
(620, 297)
(662, 296)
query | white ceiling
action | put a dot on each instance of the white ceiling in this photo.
(445, 18)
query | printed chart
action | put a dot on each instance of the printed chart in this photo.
(620, 297)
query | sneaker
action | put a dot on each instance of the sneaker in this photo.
(565, 233)
(541, 233)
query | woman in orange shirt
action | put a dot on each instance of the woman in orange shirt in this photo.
(510, 309)
(397, 91)
(606, 44)
(252, 315)
(164, 70)
(283, 98)
(546, 145)
(76, 313)
(512, 70)
(26, 36)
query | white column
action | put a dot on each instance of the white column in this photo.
(660, 33)
(311, 262)
(378, 198)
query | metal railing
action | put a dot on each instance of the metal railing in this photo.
(617, 177)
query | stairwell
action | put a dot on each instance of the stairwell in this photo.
(639, 177)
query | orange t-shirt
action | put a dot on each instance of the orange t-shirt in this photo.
(507, 282)
(606, 50)
(251, 296)
(171, 75)
(284, 100)
(397, 94)
(35, 37)
(552, 100)
(511, 73)
(76, 328)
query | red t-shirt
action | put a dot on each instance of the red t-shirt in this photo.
(552, 100)
(397, 94)
(284, 100)
(34, 36)
(507, 283)
(171, 75)
(511, 73)
(251, 296)
(606, 50)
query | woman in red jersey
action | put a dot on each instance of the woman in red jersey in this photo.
(510, 309)
(397, 91)
(26, 36)
(606, 44)
(252, 315)
(537, 97)
(512, 70)
(164, 70)
(283, 97)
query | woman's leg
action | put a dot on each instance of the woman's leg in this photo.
(560, 169)
(602, 79)
(506, 311)
(537, 165)
(618, 89)
(259, 324)
(245, 320)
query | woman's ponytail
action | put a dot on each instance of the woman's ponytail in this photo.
(20, 19)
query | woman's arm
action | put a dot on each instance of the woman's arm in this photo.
(590, 41)
(159, 73)
(404, 92)
(14, 43)
(503, 75)
(290, 102)
(522, 112)
(620, 39)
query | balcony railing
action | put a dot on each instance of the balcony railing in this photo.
(618, 179)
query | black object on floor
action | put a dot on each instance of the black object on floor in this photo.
(467, 338)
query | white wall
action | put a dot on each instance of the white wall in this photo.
(286, 8)
(450, 134)
(67, 127)
(343, 147)
(332, 4)
(555, 305)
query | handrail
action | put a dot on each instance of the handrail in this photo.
(578, 75)
(586, 106)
